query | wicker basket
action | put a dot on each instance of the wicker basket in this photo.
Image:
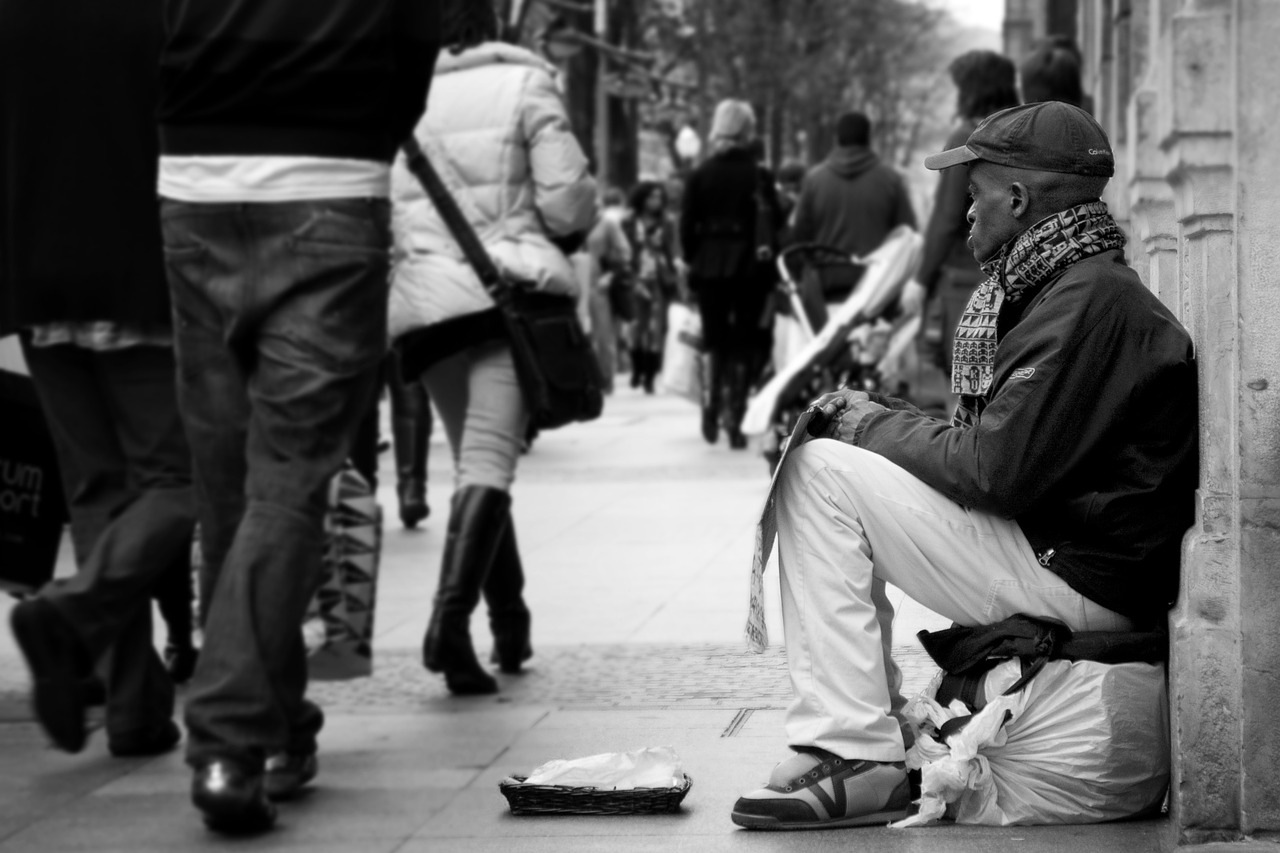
(560, 799)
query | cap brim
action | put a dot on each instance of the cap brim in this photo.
(947, 159)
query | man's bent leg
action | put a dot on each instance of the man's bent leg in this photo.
(847, 518)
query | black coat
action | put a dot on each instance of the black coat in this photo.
(79, 217)
(718, 220)
(1089, 437)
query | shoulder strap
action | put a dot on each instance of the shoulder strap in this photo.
(468, 240)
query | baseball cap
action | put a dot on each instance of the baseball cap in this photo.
(1048, 136)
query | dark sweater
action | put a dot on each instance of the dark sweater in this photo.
(851, 201)
(321, 78)
(79, 220)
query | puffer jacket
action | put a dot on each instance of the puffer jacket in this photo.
(497, 131)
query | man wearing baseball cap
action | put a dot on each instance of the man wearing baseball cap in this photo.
(1061, 487)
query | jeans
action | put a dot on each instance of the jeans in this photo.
(126, 471)
(850, 521)
(280, 314)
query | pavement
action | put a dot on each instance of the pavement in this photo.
(636, 537)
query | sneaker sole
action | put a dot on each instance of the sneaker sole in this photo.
(753, 821)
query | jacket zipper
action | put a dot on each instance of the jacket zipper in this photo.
(1045, 556)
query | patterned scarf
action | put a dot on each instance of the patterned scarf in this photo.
(1034, 256)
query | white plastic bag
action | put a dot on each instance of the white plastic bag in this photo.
(1085, 742)
(682, 353)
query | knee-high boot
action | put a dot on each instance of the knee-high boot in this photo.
(509, 616)
(737, 379)
(713, 377)
(411, 431)
(478, 517)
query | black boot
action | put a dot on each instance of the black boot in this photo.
(737, 379)
(478, 518)
(652, 365)
(637, 367)
(711, 380)
(509, 617)
(411, 429)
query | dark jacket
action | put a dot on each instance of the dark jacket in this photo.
(718, 216)
(324, 78)
(851, 201)
(946, 236)
(79, 220)
(1088, 439)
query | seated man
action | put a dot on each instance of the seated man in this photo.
(1061, 487)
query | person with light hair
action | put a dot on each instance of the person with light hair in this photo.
(729, 228)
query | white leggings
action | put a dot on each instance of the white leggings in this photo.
(478, 398)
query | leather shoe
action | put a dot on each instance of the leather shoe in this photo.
(156, 740)
(59, 667)
(288, 772)
(232, 798)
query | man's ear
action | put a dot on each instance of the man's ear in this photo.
(1019, 199)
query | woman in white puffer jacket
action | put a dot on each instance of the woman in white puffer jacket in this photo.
(496, 130)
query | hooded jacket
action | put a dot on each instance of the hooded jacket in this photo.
(497, 132)
(1088, 439)
(851, 201)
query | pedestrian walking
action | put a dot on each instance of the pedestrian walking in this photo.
(276, 236)
(729, 227)
(498, 133)
(650, 232)
(948, 273)
(851, 200)
(82, 282)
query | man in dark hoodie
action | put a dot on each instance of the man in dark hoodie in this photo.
(851, 200)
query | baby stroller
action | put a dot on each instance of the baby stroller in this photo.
(838, 332)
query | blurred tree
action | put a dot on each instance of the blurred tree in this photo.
(803, 62)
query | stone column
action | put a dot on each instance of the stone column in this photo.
(1216, 104)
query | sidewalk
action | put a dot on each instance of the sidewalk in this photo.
(636, 538)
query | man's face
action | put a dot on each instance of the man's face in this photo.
(991, 219)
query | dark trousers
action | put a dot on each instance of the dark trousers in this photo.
(280, 313)
(126, 472)
(736, 338)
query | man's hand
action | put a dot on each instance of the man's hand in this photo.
(842, 411)
(911, 300)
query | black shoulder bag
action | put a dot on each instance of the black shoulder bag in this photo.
(554, 359)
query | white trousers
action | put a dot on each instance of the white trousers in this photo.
(848, 522)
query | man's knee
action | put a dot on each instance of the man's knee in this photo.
(814, 458)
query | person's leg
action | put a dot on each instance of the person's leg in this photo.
(411, 432)
(306, 297)
(714, 310)
(485, 422)
(108, 601)
(140, 384)
(847, 519)
(91, 464)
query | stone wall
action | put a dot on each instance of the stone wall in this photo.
(1190, 92)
